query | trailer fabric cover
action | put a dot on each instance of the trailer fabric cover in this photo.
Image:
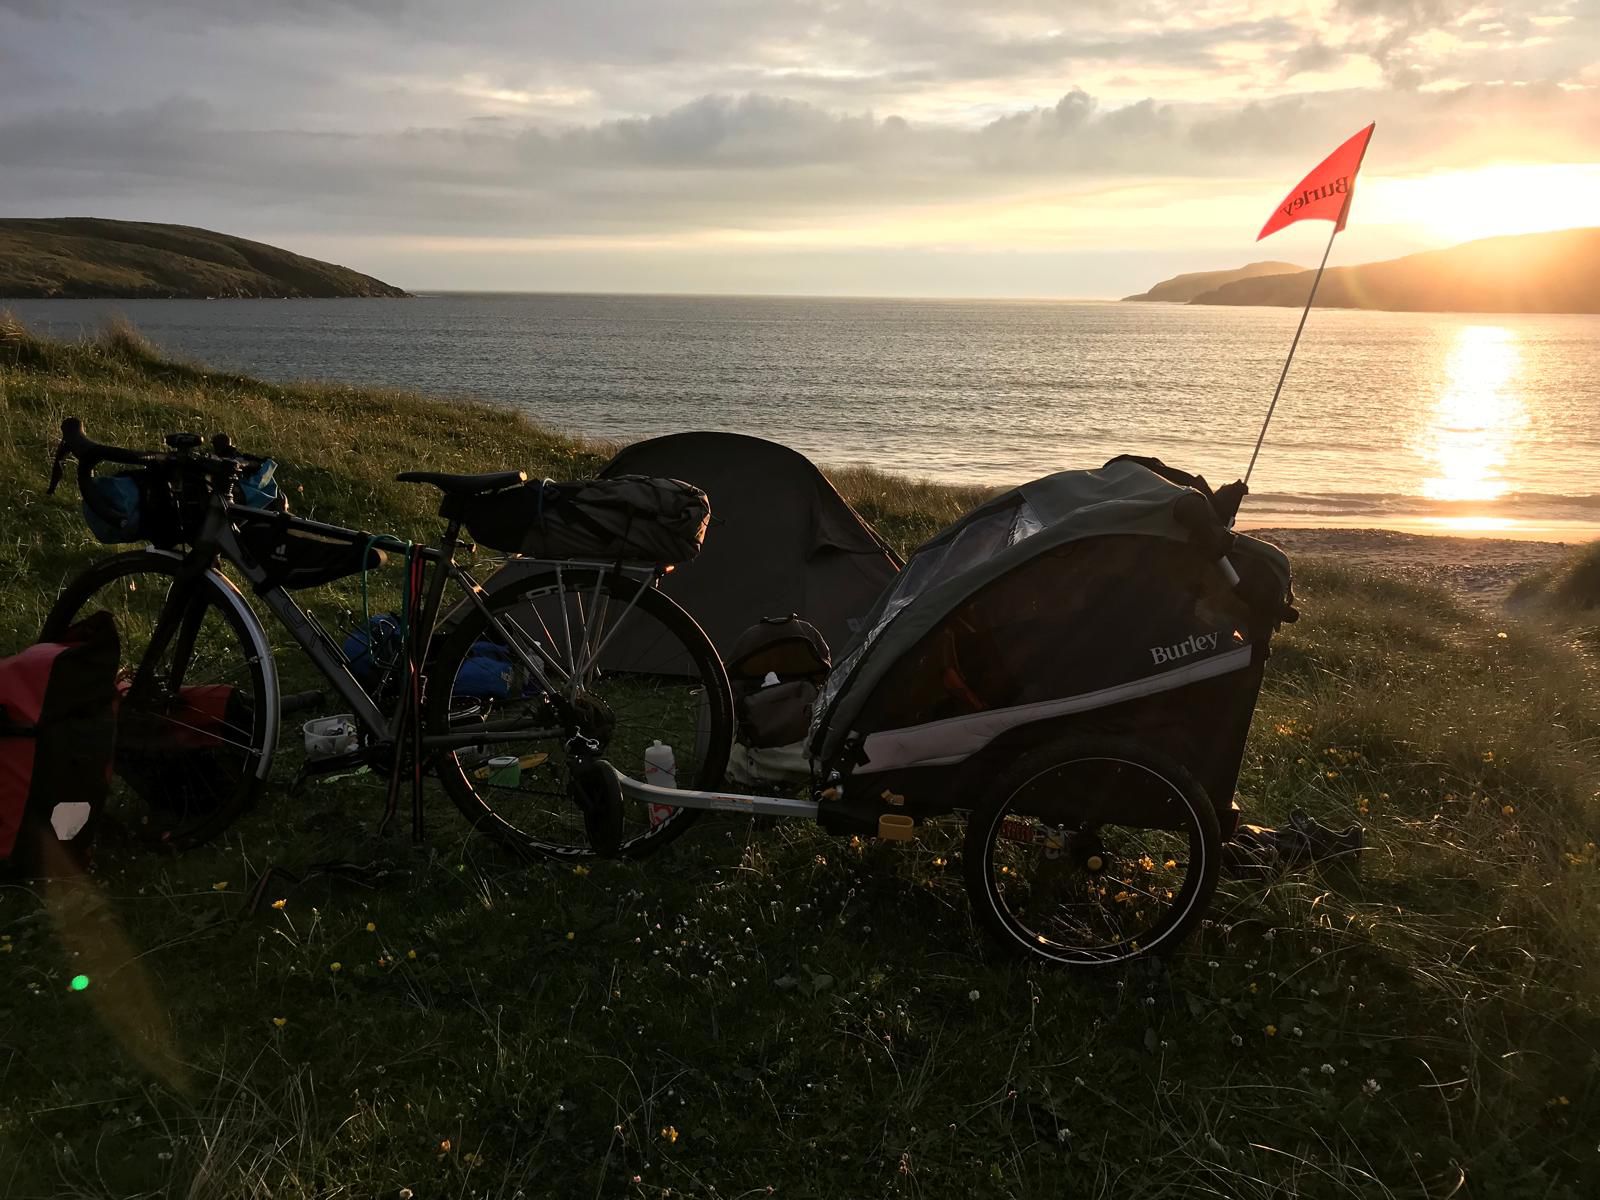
(1121, 498)
(781, 540)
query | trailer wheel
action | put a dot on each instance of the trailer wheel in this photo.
(1091, 851)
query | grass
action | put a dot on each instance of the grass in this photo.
(771, 1011)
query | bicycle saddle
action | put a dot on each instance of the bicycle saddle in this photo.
(465, 485)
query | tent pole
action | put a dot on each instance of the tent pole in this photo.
(1304, 313)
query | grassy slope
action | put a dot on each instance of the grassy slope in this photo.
(87, 257)
(771, 1008)
(1181, 289)
(1533, 272)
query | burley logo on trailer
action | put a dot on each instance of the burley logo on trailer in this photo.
(1192, 644)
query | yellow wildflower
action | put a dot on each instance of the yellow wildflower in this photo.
(669, 1134)
(220, 886)
(372, 927)
(571, 936)
(580, 870)
(280, 905)
(412, 955)
(1272, 1031)
(1507, 810)
(280, 1022)
(336, 967)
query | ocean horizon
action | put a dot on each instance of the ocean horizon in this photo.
(1460, 423)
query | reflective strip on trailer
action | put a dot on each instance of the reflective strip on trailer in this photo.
(956, 739)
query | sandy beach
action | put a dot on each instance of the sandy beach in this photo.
(1479, 570)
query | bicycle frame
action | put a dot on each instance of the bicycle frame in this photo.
(217, 538)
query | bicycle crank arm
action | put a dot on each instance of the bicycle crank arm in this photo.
(594, 790)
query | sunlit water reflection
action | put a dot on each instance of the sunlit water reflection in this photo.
(1478, 419)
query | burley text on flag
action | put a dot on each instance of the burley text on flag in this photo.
(1323, 195)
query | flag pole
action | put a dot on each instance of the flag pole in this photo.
(1337, 225)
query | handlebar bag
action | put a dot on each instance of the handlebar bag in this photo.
(57, 737)
(133, 506)
(630, 518)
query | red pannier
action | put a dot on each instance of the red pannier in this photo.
(184, 757)
(57, 734)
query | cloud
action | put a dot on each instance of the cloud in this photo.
(746, 162)
(717, 121)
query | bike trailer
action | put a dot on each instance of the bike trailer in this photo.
(57, 735)
(1087, 601)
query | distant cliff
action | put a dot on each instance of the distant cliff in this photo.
(1181, 289)
(84, 257)
(1535, 272)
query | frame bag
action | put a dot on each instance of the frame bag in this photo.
(57, 735)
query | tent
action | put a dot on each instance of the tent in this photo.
(781, 540)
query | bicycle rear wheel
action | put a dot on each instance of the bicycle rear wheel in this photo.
(634, 666)
(194, 731)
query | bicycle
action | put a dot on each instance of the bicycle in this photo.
(521, 758)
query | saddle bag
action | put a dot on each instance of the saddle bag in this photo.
(57, 737)
(630, 518)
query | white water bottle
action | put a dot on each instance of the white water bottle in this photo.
(662, 771)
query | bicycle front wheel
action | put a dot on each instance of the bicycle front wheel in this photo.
(634, 666)
(195, 723)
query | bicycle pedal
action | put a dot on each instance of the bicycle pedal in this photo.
(598, 794)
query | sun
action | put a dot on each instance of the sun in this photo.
(1458, 206)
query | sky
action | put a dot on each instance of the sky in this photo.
(1077, 148)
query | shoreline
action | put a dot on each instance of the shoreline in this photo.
(1478, 570)
(1482, 527)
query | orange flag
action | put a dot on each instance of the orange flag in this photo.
(1323, 195)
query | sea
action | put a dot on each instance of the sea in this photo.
(1484, 424)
